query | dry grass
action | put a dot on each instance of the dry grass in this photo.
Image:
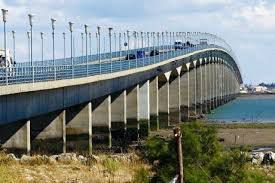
(108, 169)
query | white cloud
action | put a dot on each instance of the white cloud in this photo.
(245, 24)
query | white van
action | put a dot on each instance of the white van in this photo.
(9, 58)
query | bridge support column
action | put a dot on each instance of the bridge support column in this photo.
(16, 136)
(174, 96)
(144, 108)
(209, 86)
(101, 117)
(79, 127)
(48, 133)
(118, 116)
(133, 113)
(184, 96)
(192, 94)
(154, 104)
(204, 89)
(199, 89)
(163, 87)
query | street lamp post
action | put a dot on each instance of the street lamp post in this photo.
(119, 42)
(128, 46)
(4, 14)
(64, 45)
(53, 28)
(31, 24)
(135, 44)
(154, 51)
(90, 37)
(82, 47)
(42, 47)
(86, 34)
(163, 51)
(13, 37)
(158, 36)
(99, 56)
(110, 44)
(29, 53)
(148, 45)
(142, 46)
(115, 44)
(71, 31)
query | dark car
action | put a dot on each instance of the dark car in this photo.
(154, 52)
(178, 45)
(130, 56)
(188, 44)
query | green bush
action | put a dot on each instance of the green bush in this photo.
(204, 159)
(142, 176)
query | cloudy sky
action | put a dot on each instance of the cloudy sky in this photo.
(247, 25)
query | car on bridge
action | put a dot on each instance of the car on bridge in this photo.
(154, 53)
(178, 45)
(130, 56)
(10, 61)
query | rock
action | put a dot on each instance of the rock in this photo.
(82, 159)
(55, 157)
(52, 160)
(94, 158)
(12, 156)
(25, 158)
(156, 162)
(257, 157)
(255, 161)
(267, 160)
(67, 157)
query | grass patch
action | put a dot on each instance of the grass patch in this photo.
(111, 165)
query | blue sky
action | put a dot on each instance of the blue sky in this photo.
(247, 25)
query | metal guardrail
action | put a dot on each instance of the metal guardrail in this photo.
(63, 69)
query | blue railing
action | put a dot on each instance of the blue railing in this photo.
(63, 69)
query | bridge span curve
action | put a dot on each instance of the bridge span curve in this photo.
(108, 98)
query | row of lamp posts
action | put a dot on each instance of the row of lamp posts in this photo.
(137, 36)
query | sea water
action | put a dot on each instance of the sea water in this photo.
(248, 108)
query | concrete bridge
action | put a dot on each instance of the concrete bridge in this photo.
(104, 96)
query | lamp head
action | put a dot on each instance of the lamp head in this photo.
(4, 14)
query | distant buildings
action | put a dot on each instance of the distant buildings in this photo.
(261, 89)
(255, 89)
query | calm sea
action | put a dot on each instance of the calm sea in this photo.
(252, 108)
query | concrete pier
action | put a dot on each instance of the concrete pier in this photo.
(79, 127)
(175, 96)
(101, 121)
(184, 96)
(49, 130)
(154, 104)
(16, 137)
(144, 109)
(118, 117)
(132, 113)
(163, 87)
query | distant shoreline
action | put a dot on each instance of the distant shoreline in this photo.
(256, 95)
